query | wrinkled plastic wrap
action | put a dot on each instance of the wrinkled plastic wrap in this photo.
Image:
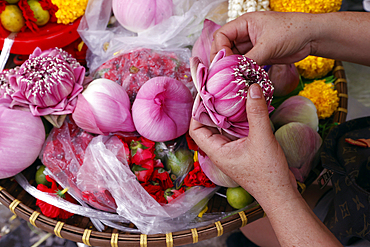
(179, 31)
(95, 170)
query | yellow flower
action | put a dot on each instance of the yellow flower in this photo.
(69, 10)
(307, 6)
(324, 97)
(313, 67)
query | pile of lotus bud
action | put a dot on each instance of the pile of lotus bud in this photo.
(296, 124)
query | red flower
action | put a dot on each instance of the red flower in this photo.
(158, 164)
(170, 194)
(197, 177)
(2, 5)
(162, 177)
(191, 143)
(50, 210)
(144, 170)
(29, 19)
(155, 191)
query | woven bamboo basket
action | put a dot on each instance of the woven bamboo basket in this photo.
(80, 229)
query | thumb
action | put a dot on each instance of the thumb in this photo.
(258, 116)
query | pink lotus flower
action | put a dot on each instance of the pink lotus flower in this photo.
(222, 91)
(103, 108)
(139, 15)
(284, 77)
(21, 138)
(47, 84)
(5, 89)
(56, 52)
(162, 109)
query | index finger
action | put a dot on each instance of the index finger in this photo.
(220, 41)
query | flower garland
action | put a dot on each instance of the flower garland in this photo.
(323, 96)
(313, 67)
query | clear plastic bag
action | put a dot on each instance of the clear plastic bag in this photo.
(179, 31)
(96, 171)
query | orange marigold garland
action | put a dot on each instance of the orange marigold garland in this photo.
(323, 95)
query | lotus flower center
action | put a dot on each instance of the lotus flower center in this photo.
(247, 72)
(46, 75)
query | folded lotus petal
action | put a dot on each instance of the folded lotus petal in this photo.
(201, 77)
(202, 47)
(109, 107)
(224, 92)
(221, 54)
(48, 82)
(194, 62)
(201, 114)
(231, 108)
(84, 116)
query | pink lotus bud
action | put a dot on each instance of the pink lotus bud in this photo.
(49, 85)
(284, 77)
(140, 15)
(300, 144)
(21, 138)
(162, 109)
(296, 109)
(223, 89)
(103, 108)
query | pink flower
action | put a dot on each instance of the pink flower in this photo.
(48, 84)
(162, 109)
(103, 108)
(222, 91)
(5, 89)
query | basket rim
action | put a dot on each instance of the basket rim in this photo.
(92, 237)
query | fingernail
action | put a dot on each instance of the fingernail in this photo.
(255, 92)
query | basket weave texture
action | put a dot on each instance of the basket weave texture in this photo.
(80, 229)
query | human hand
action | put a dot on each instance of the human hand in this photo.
(256, 162)
(267, 37)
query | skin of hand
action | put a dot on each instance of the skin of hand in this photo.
(258, 164)
(270, 37)
(254, 32)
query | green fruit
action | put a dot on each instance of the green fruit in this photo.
(12, 1)
(238, 197)
(40, 176)
(180, 161)
(12, 18)
(39, 13)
